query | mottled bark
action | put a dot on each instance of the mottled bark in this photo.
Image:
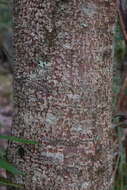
(62, 93)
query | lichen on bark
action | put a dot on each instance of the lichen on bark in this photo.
(65, 104)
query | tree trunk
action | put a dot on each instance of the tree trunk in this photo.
(62, 93)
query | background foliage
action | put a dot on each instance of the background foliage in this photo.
(120, 156)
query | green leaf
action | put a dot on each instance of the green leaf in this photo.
(16, 139)
(2, 153)
(9, 167)
(4, 181)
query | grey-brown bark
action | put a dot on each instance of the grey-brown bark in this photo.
(62, 93)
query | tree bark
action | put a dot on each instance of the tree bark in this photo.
(62, 93)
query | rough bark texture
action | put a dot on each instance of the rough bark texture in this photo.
(62, 93)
